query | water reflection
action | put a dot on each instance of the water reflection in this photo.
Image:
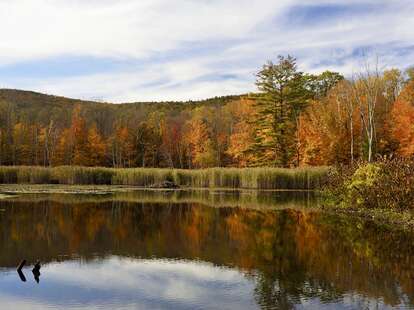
(36, 275)
(36, 272)
(130, 252)
(21, 275)
(116, 282)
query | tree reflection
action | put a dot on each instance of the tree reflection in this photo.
(290, 254)
(21, 275)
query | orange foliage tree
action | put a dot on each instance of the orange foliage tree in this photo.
(329, 129)
(96, 148)
(403, 121)
(80, 138)
(200, 145)
(242, 132)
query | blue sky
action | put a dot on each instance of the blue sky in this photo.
(128, 50)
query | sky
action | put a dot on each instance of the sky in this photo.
(158, 50)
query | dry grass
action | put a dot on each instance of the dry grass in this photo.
(249, 178)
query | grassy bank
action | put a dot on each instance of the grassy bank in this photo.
(249, 178)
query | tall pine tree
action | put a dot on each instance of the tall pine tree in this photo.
(283, 93)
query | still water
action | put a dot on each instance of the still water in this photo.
(198, 250)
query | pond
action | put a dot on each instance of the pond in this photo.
(198, 250)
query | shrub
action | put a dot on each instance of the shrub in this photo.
(386, 184)
(363, 181)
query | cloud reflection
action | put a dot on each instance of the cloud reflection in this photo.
(129, 283)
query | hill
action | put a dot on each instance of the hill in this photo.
(35, 127)
(37, 108)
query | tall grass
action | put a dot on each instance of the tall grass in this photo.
(248, 178)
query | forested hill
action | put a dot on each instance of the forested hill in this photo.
(39, 129)
(34, 107)
(20, 97)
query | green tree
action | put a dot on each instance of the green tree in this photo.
(410, 74)
(283, 93)
(321, 84)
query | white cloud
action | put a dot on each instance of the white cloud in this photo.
(120, 28)
(250, 32)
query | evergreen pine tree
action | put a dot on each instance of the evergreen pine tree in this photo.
(283, 93)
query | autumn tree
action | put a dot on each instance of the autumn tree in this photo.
(393, 80)
(343, 96)
(72, 148)
(96, 148)
(80, 139)
(147, 141)
(403, 121)
(242, 132)
(7, 123)
(173, 145)
(392, 83)
(330, 129)
(63, 154)
(49, 139)
(122, 148)
(21, 145)
(368, 88)
(201, 151)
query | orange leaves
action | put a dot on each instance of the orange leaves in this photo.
(79, 132)
(330, 129)
(78, 145)
(403, 121)
(173, 145)
(64, 149)
(312, 139)
(200, 144)
(122, 147)
(242, 136)
(96, 148)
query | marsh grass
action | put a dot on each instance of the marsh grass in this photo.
(248, 178)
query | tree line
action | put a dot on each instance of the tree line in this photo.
(294, 119)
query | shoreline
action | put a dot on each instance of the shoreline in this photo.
(13, 189)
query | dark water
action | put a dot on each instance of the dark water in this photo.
(198, 250)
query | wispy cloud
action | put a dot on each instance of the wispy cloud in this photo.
(185, 49)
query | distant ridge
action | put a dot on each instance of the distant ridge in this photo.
(27, 96)
(37, 108)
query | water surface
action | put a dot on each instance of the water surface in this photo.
(198, 250)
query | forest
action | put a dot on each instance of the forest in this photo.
(293, 119)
